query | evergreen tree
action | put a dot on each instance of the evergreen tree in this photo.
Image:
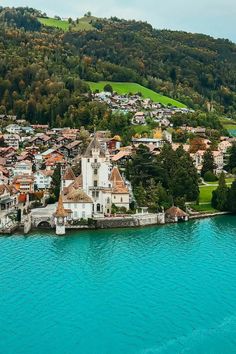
(232, 158)
(140, 195)
(208, 162)
(232, 198)
(108, 88)
(56, 181)
(184, 177)
(142, 168)
(220, 195)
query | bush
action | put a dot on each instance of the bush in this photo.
(210, 177)
(52, 199)
(108, 88)
(234, 171)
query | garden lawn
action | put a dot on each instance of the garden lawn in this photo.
(206, 193)
(142, 129)
(203, 208)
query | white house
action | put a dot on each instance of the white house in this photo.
(23, 168)
(12, 140)
(218, 160)
(198, 158)
(13, 129)
(78, 204)
(8, 198)
(120, 194)
(43, 179)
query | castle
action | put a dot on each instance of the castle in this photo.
(99, 186)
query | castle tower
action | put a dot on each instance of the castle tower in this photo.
(60, 217)
(96, 167)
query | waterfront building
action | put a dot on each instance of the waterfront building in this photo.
(175, 214)
(99, 186)
(120, 194)
(61, 216)
(100, 182)
(8, 205)
(78, 204)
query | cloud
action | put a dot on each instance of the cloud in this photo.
(214, 17)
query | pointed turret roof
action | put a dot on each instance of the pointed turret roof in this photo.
(94, 144)
(69, 174)
(61, 212)
(118, 183)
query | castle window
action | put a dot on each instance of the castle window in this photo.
(88, 160)
(95, 160)
(121, 199)
(95, 171)
(95, 183)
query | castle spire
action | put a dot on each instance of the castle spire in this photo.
(61, 212)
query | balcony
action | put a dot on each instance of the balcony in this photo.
(93, 188)
(95, 165)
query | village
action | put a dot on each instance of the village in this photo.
(93, 188)
(141, 108)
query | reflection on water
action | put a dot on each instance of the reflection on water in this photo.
(164, 289)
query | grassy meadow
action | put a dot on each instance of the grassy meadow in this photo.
(51, 22)
(83, 25)
(129, 87)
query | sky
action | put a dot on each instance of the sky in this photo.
(213, 17)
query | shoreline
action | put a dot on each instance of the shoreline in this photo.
(209, 215)
(95, 228)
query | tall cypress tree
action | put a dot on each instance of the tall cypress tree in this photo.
(220, 195)
(208, 163)
(56, 181)
(232, 198)
(232, 158)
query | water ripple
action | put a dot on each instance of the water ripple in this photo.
(155, 290)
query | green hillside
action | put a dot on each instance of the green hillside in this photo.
(83, 25)
(51, 22)
(129, 87)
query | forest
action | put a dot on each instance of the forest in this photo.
(43, 70)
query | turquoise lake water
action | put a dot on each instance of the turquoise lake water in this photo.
(232, 132)
(168, 289)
